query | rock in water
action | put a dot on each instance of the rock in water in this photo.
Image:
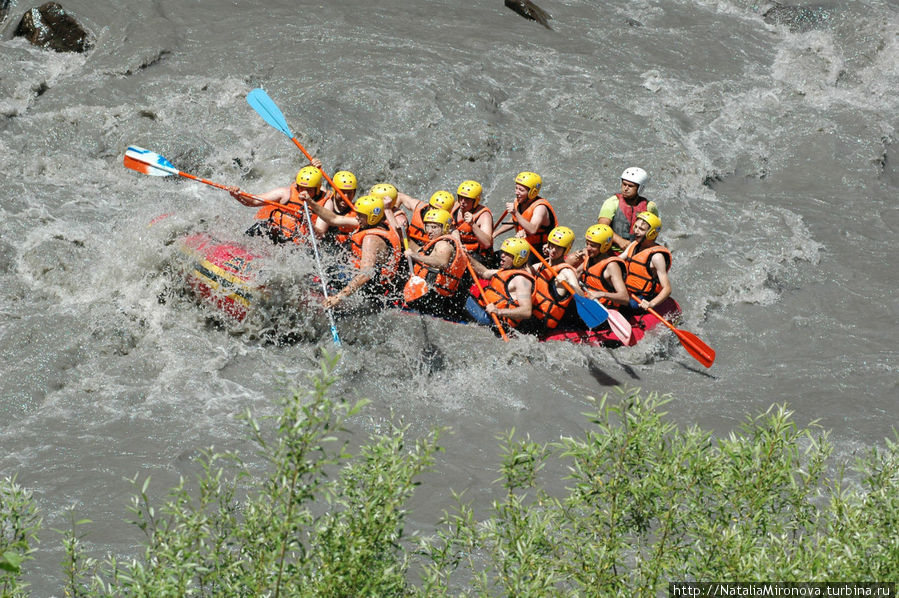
(4, 10)
(531, 11)
(50, 26)
(799, 19)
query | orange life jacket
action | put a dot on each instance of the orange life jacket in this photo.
(416, 231)
(342, 233)
(498, 293)
(548, 306)
(445, 281)
(389, 270)
(542, 235)
(469, 240)
(289, 223)
(592, 276)
(640, 279)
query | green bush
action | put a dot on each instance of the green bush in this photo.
(642, 503)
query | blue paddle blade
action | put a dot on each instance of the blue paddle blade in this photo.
(591, 312)
(268, 110)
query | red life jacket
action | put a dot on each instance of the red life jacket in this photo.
(445, 280)
(548, 306)
(498, 293)
(625, 216)
(592, 276)
(641, 280)
(416, 230)
(542, 235)
(389, 270)
(469, 240)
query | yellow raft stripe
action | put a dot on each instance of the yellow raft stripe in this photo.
(216, 278)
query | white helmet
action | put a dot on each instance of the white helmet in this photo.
(636, 175)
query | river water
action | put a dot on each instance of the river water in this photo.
(773, 154)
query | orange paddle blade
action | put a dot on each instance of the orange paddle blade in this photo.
(703, 353)
(415, 288)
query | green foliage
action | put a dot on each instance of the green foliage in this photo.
(647, 503)
(19, 524)
(633, 503)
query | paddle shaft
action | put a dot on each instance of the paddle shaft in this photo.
(136, 164)
(477, 281)
(321, 274)
(324, 174)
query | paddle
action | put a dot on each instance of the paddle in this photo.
(477, 281)
(617, 322)
(695, 347)
(590, 311)
(321, 275)
(270, 113)
(416, 286)
(151, 163)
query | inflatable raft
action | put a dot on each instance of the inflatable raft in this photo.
(224, 276)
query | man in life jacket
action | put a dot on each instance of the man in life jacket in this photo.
(509, 289)
(532, 216)
(287, 224)
(620, 211)
(440, 200)
(474, 221)
(443, 263)
(647, 264)
(551, 299)
(375, 245)
(600, 271)
(347, 183)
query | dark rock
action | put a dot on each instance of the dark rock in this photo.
(50, 26)
(4, 10)
(798, 18)
(531, 11)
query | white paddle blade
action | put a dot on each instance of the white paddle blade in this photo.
(147, 162)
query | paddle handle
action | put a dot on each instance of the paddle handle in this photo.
(501, 218)
(656, 314)
(477, 281)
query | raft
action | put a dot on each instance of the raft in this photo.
(224, 276)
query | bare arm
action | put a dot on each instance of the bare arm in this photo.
(330, 217)
(658, 264)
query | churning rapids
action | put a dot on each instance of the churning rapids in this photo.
(772, 143)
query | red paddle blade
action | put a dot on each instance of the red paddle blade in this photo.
(415, 288)
(703, 353)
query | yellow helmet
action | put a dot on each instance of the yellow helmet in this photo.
(532, 181)
(654, 222)
(561, 236)
(442, 200)
(383, 190)
(309, 176)
(601, 234)
(372, 206)
(437, 216)
(471, 190)
(518, 249)
(345, 180)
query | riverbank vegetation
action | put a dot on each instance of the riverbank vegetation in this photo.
(643, 502)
